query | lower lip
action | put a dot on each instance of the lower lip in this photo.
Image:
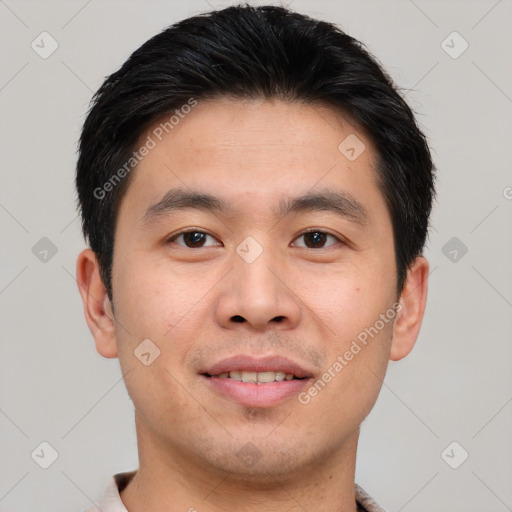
(257, 395)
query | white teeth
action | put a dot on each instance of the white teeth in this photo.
(256, 377)
(249, 377)
(266, 376)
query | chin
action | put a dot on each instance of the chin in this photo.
(264, 461)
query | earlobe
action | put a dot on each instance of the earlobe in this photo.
(412, 301)
(97, 307)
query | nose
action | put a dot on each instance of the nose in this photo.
(258, 295)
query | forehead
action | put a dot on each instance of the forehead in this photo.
(225, 123)
(254, 152)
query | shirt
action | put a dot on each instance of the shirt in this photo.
(111, 499)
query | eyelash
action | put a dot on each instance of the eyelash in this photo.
(311, 230)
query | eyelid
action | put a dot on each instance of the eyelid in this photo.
(172, 237)
(320, 230)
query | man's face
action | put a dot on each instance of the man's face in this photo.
(249, 290)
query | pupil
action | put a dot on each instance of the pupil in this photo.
(194, 237)
(316, 238)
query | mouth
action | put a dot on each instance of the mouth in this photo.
(265, 377)
(256, 382)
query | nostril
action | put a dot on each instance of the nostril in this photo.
(238, 318)
(278, 318)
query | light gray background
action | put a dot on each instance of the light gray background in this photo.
(455, 386)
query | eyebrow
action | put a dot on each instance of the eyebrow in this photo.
(340, 203)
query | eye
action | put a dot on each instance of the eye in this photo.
(316, 239)
(191, 239)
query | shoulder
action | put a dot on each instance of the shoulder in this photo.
(110, 501)
(365, 502)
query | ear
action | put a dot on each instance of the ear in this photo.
(97, 307)
(412, 301)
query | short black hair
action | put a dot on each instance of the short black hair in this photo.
(251, 52)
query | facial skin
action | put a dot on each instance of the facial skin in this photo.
(303, 298)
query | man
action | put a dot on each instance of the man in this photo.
(256, 197)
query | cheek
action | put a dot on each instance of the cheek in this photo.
(156, 303)
(358, 311)
(156, 298)
(159, 396)
(350, 384)
(350, 301)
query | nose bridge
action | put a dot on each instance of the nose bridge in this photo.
(255, 279)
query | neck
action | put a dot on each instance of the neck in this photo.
(171, 481)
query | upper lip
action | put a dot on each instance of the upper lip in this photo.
(248, 363)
